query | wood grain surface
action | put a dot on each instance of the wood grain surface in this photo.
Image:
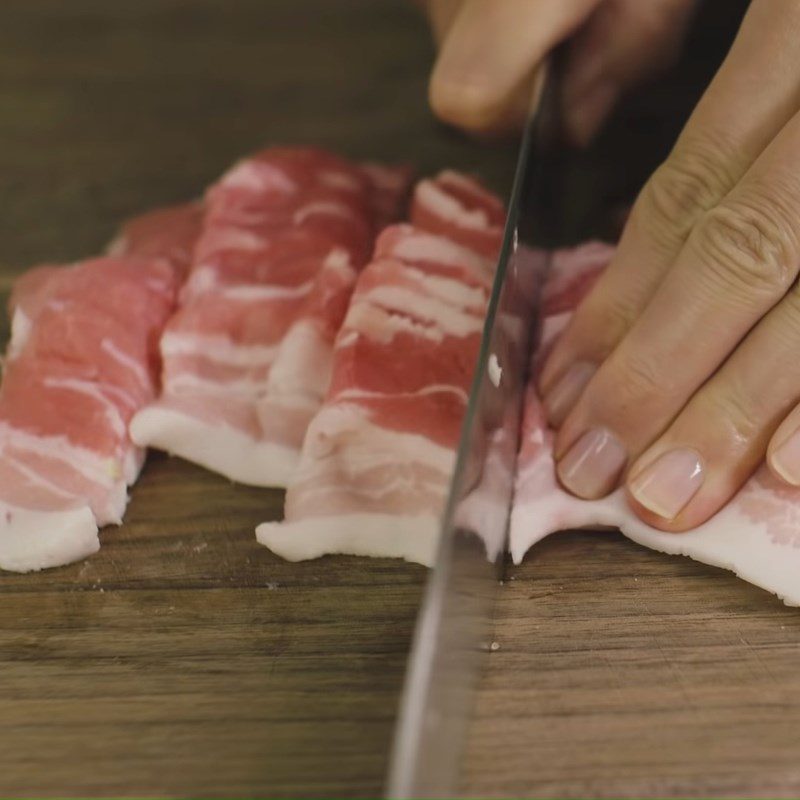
(186, 660)
(626, 673)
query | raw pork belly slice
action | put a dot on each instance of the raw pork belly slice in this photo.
(757, 535)
(247, 356)
(377, 457)
(389, 187)
(82, 359)
(168, 233)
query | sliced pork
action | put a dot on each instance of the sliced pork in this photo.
(757, 535)
(168, 233)
(377, 457)
(82, 359)
(247, 356)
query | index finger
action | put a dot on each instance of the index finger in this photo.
(751, 98)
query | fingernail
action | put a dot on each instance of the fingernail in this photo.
(669, 483)
(559, 401)
(587, 113)
(592, 465)
(786, 459)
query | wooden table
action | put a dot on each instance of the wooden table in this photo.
(184, 659)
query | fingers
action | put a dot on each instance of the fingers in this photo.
(783, 454)
(489, 54)
(623, 43)
(692, 181)
(720, 437)
(751, 98)
(739, 261)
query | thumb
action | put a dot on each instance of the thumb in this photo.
(623, 43)
(489, 54)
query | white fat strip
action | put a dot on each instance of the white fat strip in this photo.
(346, 338)
(217, 447)
(323, 493)
(159, 285)
(537, 437)
(194, 383)
(110, 512)
(363, 459)
(256, 293)
(36, 478)
(494, 370)
(137, 370)
(322, 207)
(54, 304)
(451, 291)
(96, 392)
(420, 246)
(338, 259)
(21, 327)
(452, 321)
(118, 246)
(304, 364)
(382, 326)
(132, 463)
(217, 348)
(443, 205)
(347, 424)
(339, 180)
(115, 495)
(257, 176)
(449, 176)
(34, 540)
(231, 238)
(125, 398)
(484, 510)
(202, 279)
(296, 402)
(104, 470)
(412, 537)
(433, 388)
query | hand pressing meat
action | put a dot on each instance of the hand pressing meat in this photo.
(490, 51)
(678, 374)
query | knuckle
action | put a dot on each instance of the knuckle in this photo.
(733, 411)
(639, 382)
(744, 245)
(606, 317)
(617, 319)
(685, 185)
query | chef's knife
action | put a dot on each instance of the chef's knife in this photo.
(453, 632)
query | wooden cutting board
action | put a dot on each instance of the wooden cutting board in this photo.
(625, 673)
(184, 659)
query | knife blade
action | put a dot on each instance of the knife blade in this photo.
(454, 625)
